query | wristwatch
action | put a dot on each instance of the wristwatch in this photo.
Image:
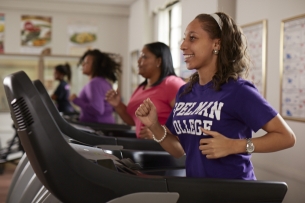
(250, 146)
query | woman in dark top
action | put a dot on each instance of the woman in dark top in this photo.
(62, 92)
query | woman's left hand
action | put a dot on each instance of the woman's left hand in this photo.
(145, 133)
(72, 97)
(216, 147)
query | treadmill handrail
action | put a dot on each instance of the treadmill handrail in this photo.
(72, 178)
(90, 138)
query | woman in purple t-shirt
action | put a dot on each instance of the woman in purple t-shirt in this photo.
(216, 111)
(102, 70)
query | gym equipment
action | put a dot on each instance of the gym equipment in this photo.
(12, 153)
(92, 138)
(72, 178)
(171, 165)
(146, 162)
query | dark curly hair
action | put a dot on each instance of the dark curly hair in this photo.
(233, 60)
(103, 65)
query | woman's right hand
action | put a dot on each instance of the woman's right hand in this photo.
(147, 113)
(113, 98)
(72, 97)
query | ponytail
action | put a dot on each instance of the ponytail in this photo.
(68, 72)
(65, 70)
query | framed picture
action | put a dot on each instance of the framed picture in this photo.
(256, 35)
(292, 68)
(36, 33)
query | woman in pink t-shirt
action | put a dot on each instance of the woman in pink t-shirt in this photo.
(161, 85)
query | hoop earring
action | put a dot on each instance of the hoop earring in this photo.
(215, 51)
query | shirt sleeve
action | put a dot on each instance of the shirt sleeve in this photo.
(169, 121)
(172, 86)
(252, 108)
(96, 100)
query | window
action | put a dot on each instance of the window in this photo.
(169, 32)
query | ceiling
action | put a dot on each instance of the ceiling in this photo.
(108, 2)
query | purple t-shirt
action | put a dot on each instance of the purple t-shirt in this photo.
(91, 100)
(235, 111)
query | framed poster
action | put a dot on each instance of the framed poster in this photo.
(35, 33)
(2, 29)
(82, 35)
(256, 35)
(292, 67)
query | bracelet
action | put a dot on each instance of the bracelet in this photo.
(164, 136)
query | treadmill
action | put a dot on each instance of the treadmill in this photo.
(92, 138)
(25, 181)
(70, 177)
(155, 160)
(125, 146)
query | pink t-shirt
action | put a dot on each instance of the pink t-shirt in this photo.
(161, 95)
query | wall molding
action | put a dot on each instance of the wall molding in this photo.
(74, 8)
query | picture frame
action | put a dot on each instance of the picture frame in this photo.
(256, 36)
(292, 68)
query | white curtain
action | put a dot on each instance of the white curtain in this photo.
(163, 26)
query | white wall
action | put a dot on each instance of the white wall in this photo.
(191, 8)
(140, 32)
(286, 165)
(112, 24)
